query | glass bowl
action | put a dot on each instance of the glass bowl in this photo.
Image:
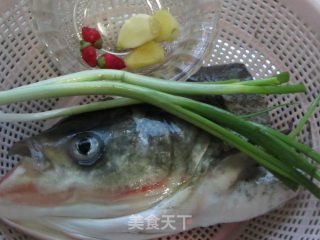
(59, 25)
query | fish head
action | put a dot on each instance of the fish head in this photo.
(96, 159)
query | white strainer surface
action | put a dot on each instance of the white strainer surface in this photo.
(266, 35)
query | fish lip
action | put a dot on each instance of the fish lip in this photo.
(20, 188)
(6, 176)
(9, 183)
(27, 193)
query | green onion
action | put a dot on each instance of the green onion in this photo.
(253, 133)
(306, 117)
(175, 87)
(293, 143)
(220, 82)
(264, 111)
(280, 154)
(68, 111)
(277, 80)
(116, 75)
(95, 88)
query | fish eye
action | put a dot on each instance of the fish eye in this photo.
(86, 149)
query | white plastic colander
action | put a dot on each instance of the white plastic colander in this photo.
(267, 35)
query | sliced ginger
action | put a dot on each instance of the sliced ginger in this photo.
(138, 30)
(169, 26)
(146, 55)
(142, 33)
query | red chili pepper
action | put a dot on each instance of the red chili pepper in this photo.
(92, 36)
(110, 61)
(88, 53)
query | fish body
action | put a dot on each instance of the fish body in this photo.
(98, 175)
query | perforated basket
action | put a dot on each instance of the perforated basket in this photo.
(267, 35)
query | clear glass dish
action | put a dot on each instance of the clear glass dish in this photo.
(59, 25)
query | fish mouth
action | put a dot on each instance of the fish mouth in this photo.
(23, 199)
(6, 176)
(17, 187)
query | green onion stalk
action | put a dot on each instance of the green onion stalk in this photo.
(269, 85)
(306, 117)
